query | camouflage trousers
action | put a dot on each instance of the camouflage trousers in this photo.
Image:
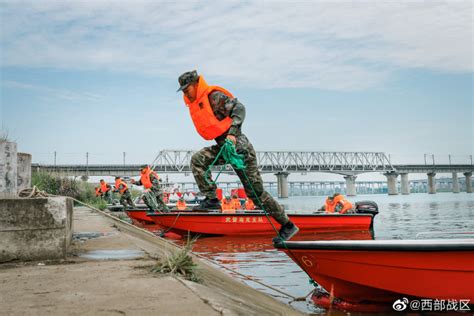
(126, 200)
(201, 160)
(108, 197)
(154, 199)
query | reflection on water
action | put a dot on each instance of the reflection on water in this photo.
(442, 215)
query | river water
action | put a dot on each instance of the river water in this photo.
(415, 216)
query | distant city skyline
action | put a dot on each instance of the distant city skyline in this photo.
(100, 77)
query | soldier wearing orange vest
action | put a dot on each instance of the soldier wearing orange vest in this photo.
(249, 206)
(227, 205)
(125, 195)
(236, 202)
(181, 204)
(218, 115)
(151, 182)
(97, 192)
(105, 191)
(337, 203)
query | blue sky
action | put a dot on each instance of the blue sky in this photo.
(100, 77)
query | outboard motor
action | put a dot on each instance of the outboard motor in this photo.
(367, 207)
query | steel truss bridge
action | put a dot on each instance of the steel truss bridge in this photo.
(178, 161)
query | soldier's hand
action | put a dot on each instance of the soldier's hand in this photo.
(232, 139)
(132, 180)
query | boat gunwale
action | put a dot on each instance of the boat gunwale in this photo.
(381, 245)
(187, 213)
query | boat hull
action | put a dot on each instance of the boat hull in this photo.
(140, 217)
(379, 275)
(251, 223)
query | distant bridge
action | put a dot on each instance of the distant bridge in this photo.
(178, 161)
(282, 163)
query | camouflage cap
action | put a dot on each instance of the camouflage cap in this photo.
(186, 79)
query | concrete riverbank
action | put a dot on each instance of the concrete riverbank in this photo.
(107, 272)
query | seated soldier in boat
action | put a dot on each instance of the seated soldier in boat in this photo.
(236, 202)
(337, 203)
(249, 206)
(227, 206)
(181, 204)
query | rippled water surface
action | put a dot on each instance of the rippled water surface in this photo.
(442, 215)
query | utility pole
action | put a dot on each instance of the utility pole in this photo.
(87, 163)
(425, 159)
(432, 156)
(449, 156)
(55, 158)
(124, 159)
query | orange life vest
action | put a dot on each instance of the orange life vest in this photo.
(236, 203)
(121, 182)
(145, 178)
(227, 207)
(104, 187)
(329, 206)
(181, 205)
(249, 206)
(346, 205)
(205, 122)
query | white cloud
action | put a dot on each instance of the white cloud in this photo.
(330, 45)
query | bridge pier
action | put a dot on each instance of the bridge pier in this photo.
(468, 182)
(431, 183)
(405, 185)
(282, 180)
(350, 185)
(455, 183)
(392, 182)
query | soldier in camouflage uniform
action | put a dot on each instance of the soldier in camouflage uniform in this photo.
(154, 197)
(125, 195)
(225, 108)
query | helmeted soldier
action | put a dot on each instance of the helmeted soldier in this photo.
(218, 115)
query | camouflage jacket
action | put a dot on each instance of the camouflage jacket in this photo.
(223, 107)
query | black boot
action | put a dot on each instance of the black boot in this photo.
(286, 232)
(208, 204)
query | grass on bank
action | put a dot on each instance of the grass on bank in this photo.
(179, 262)
(79, 190)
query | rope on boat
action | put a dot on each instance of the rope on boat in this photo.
(162, 234)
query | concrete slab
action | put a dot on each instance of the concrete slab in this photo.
(35, 229)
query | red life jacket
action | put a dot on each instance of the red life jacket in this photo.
(145, 178)
(205, 122)
(121, 182)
